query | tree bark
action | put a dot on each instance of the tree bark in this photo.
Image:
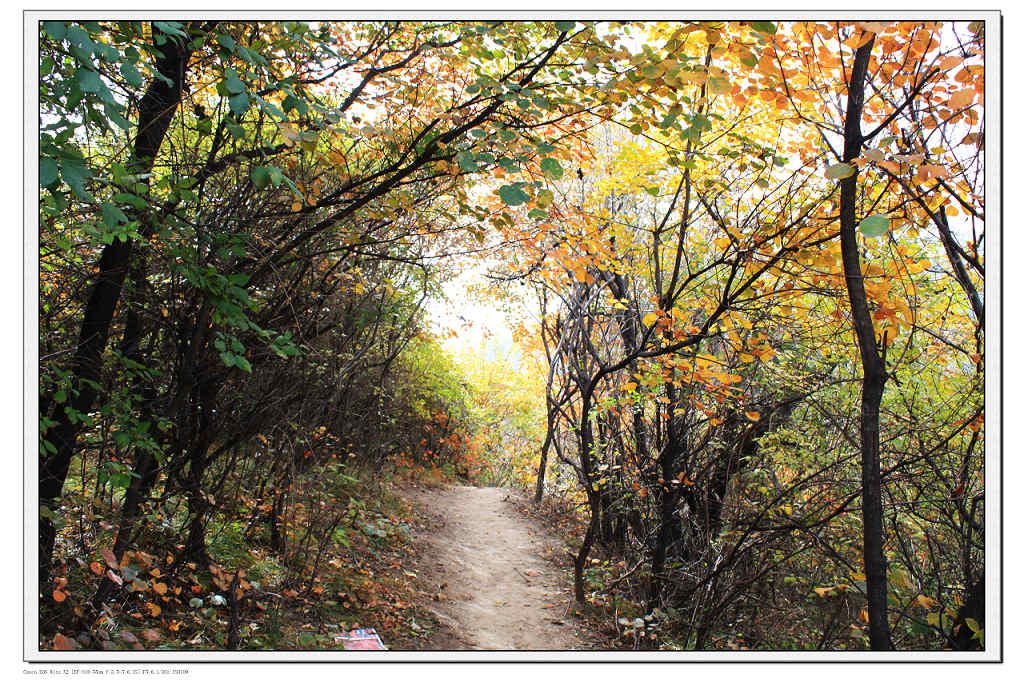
(871, 362)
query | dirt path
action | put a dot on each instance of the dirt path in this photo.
(495, 589)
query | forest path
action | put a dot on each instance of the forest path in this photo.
(495, 590)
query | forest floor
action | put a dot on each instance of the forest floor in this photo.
(498, 579)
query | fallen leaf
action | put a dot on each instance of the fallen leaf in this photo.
(62, 643)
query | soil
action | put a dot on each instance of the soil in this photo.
(490, 574)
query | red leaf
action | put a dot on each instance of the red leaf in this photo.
(96, 567)
(109, 557)
(115, 577)
(150, 635)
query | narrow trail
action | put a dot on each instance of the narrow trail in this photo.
(495, 590)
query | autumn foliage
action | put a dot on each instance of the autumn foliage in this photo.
(743, 264)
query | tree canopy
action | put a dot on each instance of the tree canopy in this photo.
(744, 263)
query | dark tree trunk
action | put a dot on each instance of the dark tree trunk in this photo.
(667, 494)
(872, 363)
(593, 502)
(543, 467)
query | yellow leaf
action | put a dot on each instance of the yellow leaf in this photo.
(746, 357)
(296, 206)
(822, 591)
(650, 318)
(926, 602)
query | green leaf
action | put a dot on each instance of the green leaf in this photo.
(88, 80)
(874, 226)
(55, 29)
(465, 161)
(238, 103)
(113, 216)
(512, 195)
(171, 28)
(537, 214)
(226, 41)
(764, 27)
(276, 176)
(551, 168)
(243, 364)
(545, 197)
(131, 74)
(234, 84)
(260, 176)
(668, 121)
(76, 173)
(47, 172)
(508, 165)
(113, 112)
(565, 26)
(79, 37)
(292, 102)
(839, 171)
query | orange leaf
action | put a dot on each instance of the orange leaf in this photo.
(160, 588)
(62, 643)
(96, 567)
(753, 416)
(59, 595)
(961, 99)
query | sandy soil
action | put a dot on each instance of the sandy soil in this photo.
(494, 588)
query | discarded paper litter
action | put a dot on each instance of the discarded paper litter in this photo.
(361, 640)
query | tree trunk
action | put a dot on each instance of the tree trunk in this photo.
(872, 363)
